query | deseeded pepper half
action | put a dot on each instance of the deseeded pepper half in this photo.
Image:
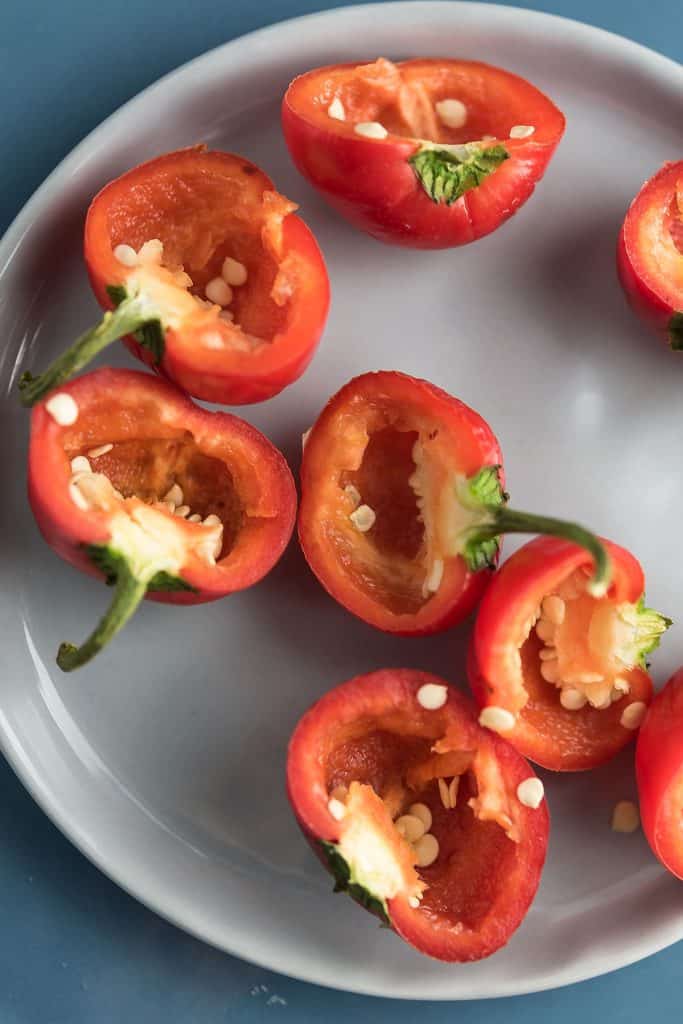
(429, 821)
(427, 153)
(563, 670)
(216, 283)
(402, 505)
(130, 480)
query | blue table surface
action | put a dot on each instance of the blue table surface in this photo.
(73, 947)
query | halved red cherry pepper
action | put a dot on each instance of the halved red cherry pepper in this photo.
(429, 821)
(558, 670)
(650, 253)
(659, 771)
(427, 153)
(222, 288)
(129, 479)
(402, 504)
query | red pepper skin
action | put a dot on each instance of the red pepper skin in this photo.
(370, 181)
(471, 444)
(659, 773)
(128, 209)
(655, 222)
(545, 732)
(259, 470)
(391, 695)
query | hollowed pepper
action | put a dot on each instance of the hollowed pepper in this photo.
(207, 273)
(432, 823)
(561, 672)
(402, 505)
(427, 153)
(130, 480)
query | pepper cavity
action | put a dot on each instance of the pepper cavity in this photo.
(433, 824)
(204, 272)
(164, 499)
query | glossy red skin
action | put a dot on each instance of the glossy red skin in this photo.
(373, 186)
(224, 378)
(68, 529)
(392, 690)
(659, 773)
(650, 297)
(516, 589)
(461, 589)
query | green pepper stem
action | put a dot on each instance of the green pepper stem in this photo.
(507, 520)
(129, 316)
(129, 592)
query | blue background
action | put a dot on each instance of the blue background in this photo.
(73, 947)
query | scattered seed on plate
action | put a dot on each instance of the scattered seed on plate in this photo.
(625, 817)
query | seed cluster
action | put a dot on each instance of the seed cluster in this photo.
(577, 687)
(90, 489)
(218, 291)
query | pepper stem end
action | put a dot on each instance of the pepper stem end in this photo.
(128, 317)
(128, 593)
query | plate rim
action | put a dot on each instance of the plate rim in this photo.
(10, 745)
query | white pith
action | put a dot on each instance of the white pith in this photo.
(445, 520)
(149, 536)
(167, 289)
(593, 673)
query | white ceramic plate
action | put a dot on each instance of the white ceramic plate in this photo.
(164, 760)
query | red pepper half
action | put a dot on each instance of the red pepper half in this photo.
(402, 504)
(650, 253)
(560, 671)
(129, 479)
(161, 244)
(659, 771)
(429, 821)
(427, 153)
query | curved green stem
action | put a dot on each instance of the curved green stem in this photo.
(507, 520)
(128, 593)
(129, 316)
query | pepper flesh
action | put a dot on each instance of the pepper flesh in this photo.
(369, 735)
(227, 470)
(659, 772)
(373, 183)
(202, 206)
(650, 253)
(505, 666)
(429, 470)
